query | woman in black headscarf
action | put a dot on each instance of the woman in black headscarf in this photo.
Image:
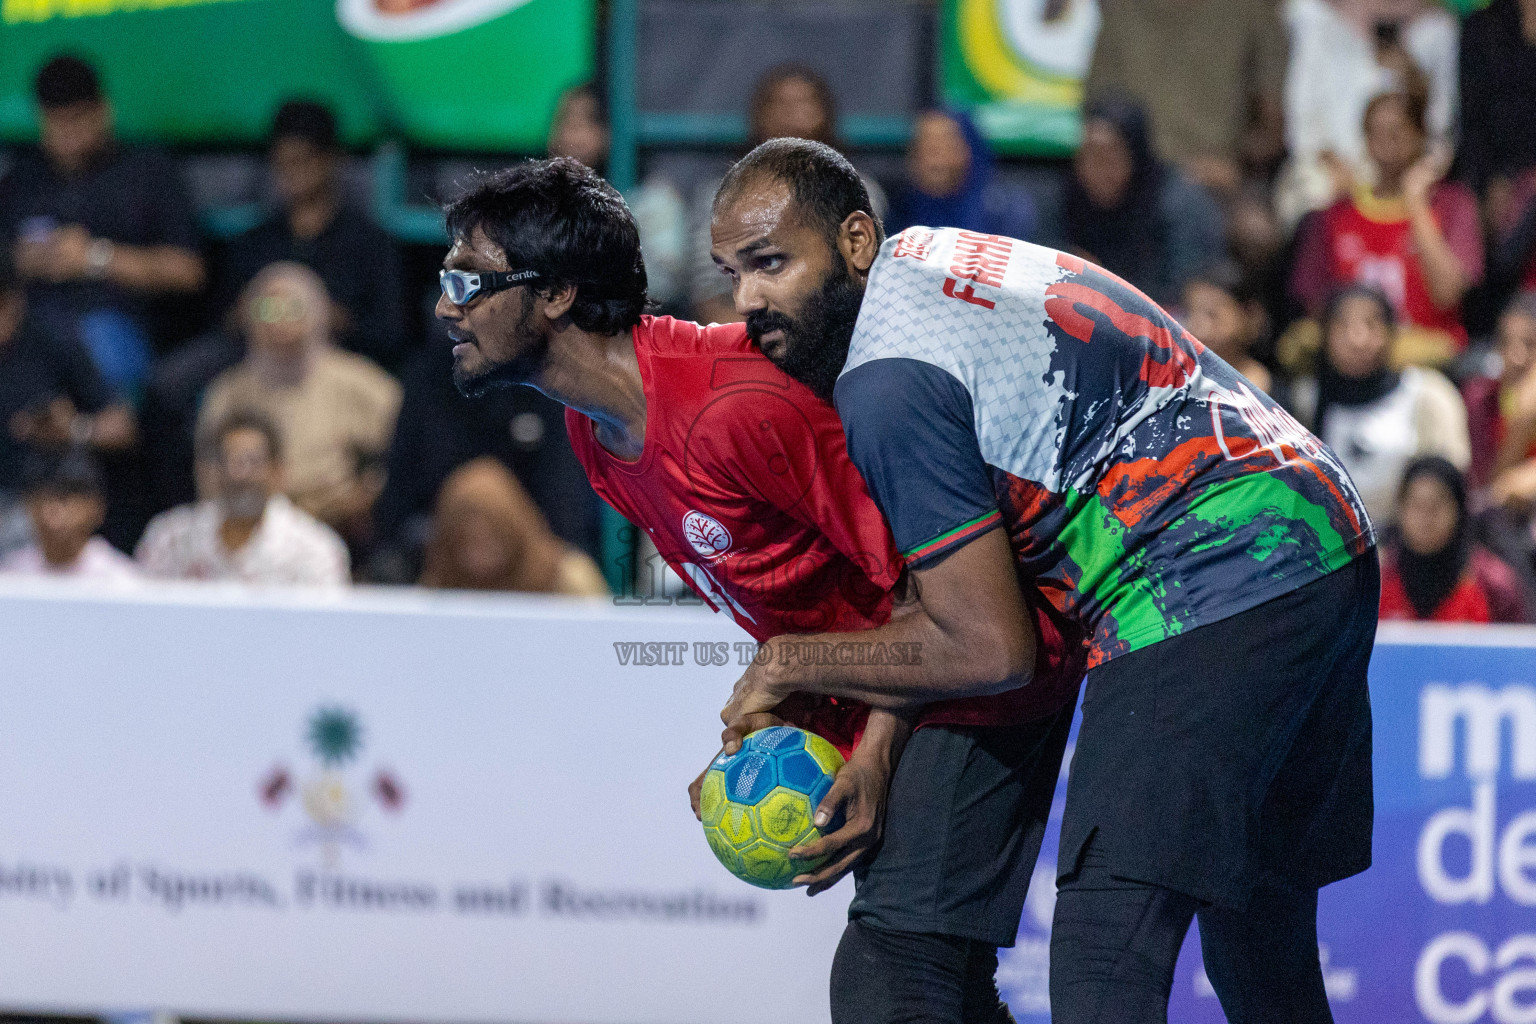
(1376, 417)
(1132, 214)
(1432, 568)
(951, 182)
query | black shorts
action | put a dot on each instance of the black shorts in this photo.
(963, 826)
(1236, 754)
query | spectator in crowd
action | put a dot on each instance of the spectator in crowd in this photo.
(950, 182)
(1492, 400)
(1513, 477)
(790, 101)
(487, 534)
(1343, 53)
(65, 504)
(96, 229)
(1431, 569)
(1512, 219)
(1374, 417)
(1209, 72)
(317, 226)
(1227, 320)
(168, 410)
(51, 397)
(1127, 211)
(438, 431)
(580, 130)
(1498, 98)
(335, 410)
(1411, 234)
(247, 531)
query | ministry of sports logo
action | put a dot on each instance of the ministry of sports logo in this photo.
(708, 537)
(329, 797)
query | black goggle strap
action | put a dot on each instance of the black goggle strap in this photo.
(496, 280)
(474, 282)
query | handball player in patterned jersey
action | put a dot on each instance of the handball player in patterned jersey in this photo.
(741, 477)
(1022, 416)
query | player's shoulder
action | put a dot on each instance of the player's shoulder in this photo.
(695, 365)
(666, 335)
(949, 296)
(959, 252)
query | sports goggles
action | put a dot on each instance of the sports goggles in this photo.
(459, 286)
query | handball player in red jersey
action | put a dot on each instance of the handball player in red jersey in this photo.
(740, 476)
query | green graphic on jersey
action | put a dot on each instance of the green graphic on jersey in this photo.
(1139, 587)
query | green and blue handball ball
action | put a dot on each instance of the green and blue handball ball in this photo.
(760, 801)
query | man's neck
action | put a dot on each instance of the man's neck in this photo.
(63, 557)
(308, 217)
(68, 169)
(235, 533)
(599, 377)
(1528, 20)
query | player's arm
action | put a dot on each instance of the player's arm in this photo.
(970, 635)
(911, 433)
(791, 454)
(858, 794)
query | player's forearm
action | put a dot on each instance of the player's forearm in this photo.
(885, 737)
(903, 665)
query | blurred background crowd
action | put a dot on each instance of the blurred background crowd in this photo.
(222, 367)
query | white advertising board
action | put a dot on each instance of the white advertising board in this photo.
(378, 807)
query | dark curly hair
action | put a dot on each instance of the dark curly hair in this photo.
(560, 218)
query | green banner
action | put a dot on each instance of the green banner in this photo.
(1019, 65)
(450, 74)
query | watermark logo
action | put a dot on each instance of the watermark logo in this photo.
(332, 796)
(707, 534)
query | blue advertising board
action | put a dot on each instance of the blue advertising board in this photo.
(1442, 928)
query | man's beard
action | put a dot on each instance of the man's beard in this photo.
(515, 371)
(816, 341)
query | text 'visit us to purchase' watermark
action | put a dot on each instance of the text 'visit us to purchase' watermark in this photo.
(651, 654)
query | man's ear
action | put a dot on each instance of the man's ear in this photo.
(556, 302)
(859, 241)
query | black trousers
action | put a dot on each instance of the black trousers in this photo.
(963, 826)
(1223, 774)
(1114, 944)
(883, 977)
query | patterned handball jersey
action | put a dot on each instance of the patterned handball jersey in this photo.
(1147, 488)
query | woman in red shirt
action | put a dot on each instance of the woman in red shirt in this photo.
(1431, 568)
(1502, 407)
(1414, 236)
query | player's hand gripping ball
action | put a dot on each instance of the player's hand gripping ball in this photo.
(759, 802)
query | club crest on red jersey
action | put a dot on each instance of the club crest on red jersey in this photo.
(708, 537)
